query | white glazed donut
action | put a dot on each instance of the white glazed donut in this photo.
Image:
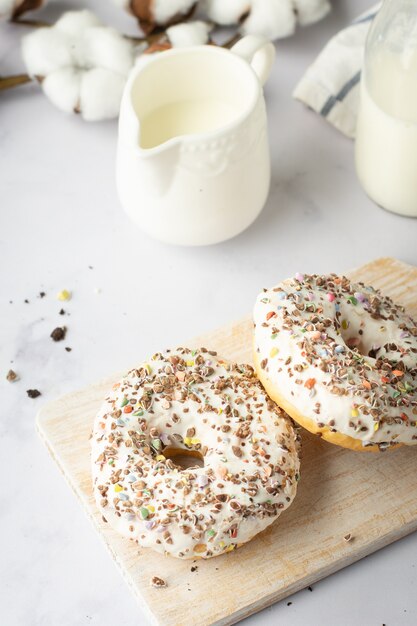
(242, 449)
(341, 359)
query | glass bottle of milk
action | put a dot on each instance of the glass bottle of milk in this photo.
(386, 136)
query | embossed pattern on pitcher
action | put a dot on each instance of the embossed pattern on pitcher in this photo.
(214, 156)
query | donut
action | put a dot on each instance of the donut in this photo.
(190, 457)
(340, 358)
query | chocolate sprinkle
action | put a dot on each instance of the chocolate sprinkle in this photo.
(33, 393)
(11, 376)
(58, 334)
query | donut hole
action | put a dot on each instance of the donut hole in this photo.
(184, 458)
(359, 341)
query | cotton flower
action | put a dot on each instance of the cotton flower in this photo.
(271, 18)
(310, 11)
(158, 13)
(189, 34)
(227, 12)
(81, 64)
(195, 33)
(12, 9)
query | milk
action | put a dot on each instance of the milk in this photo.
(184, 118)
(386, 136)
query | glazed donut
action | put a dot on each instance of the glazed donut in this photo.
(340, 359)
(190, 457)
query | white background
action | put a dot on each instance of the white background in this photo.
(59, 214)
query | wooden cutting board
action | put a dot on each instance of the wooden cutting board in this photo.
(373, 497)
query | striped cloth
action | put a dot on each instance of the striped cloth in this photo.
(330, 86)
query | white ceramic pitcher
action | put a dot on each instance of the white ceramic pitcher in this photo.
(193, 163)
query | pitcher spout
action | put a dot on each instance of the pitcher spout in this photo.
(158, 166)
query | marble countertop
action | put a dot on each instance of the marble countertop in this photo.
(61, 226)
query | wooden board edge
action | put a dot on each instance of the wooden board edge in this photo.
(328, 570)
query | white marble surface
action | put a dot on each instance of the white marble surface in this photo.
(59, 215)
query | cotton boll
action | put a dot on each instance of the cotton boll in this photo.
(226, 12)
(46, 50)
(310, 11)
(160, 13)
(272, 19)
(104, 47)
(101, 94)
(189, 34)
(76, 57)
(163, 11)
(62, 88)
(74, 23)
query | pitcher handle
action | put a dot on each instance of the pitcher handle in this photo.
(258, 52)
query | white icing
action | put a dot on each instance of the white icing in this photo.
(200, 511)
(385, 413)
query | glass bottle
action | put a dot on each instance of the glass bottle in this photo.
(386, 136)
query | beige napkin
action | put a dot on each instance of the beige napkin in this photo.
(330, 86)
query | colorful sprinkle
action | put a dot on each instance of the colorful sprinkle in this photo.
(200, 547)
(274, 352)
(64, 295)
(309, 383)
(143, 512)
(202, 481)
(360, 297)
(398, 373)
(331, 297)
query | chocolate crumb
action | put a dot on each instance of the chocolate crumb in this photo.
(68, 349)
(194, 568)
(289, 603)
(11, 376)
(158, 582)
(42, 294)
(62, 312)
(310, 588)
(58, 334)
(26, 301)
(33, 393)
